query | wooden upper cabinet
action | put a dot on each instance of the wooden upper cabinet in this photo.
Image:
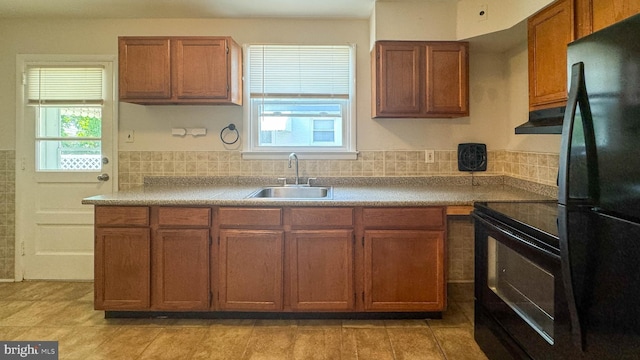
(397, 78)
(420, 79)
(200, 68)
(447, 79)
(549, 33)
(594, 15)
(180, 70)
(144, 68)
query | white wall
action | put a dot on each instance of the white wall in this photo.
(517, 85)
(500, 15)
(419, 20)
(497, 80)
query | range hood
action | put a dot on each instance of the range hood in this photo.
(546, 121)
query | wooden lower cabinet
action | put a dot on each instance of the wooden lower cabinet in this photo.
(299, 259)
(403, 270)
(122, 268)
(250, 269)
(321, 270)
(181, 269)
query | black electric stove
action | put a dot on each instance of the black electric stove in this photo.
(520, 306)
(536, 218)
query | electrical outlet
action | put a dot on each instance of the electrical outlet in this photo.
(130, 136)
(483, 12)
(429, 156)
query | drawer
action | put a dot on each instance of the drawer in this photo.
(404, 218)
(122, 215)
(179, 216)
(250, 216)
(315, 217)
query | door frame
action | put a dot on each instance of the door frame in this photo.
(20, 189)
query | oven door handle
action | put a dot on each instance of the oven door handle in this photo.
(567, 278)
(512, 235)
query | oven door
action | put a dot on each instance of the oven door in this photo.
(518, 289)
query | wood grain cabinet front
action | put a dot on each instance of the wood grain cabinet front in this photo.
(420, 79)
(321, 259)
(549, 32)
(180, 70)
(180, 258)
(122, 264)
(299, 259)
(250, 269)
(404, 259)
(593, 15)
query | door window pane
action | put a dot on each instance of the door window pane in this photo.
(69, 138)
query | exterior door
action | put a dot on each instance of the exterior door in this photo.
(64, 154)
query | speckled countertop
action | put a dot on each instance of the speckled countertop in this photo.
(233, 191)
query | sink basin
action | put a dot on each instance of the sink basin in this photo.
(293, 192)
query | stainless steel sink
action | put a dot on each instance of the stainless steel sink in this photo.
(293, 192)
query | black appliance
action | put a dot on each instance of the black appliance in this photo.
(545, 121)
(520, 307)
(587, 251)
(599, 193)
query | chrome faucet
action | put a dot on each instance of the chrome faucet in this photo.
(293, 156)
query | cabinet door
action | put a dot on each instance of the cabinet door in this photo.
(144, 68)
(122, 268)
(321, 269)
(181, 269)
(200, 68)
(608, 12)
(549, 33)
(447, 79)
(250, 269)
(404, 270)
(397, 74)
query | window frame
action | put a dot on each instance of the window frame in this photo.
(251, 148)
(25, 113)
(44, 93)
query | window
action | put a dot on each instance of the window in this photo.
(68, 102)
(301, 98)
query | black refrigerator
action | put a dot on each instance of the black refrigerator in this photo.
(599, 193)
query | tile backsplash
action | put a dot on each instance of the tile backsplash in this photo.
(135, 165)
(7, 213)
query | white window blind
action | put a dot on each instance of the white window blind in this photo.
(64, 85)
(299, 71)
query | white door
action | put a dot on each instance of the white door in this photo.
(65, 153)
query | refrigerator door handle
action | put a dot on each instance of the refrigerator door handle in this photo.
(578, 97)
(567, 133)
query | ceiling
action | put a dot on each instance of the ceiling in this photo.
(132, 9)
(352, 9)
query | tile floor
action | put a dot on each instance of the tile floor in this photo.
(63, 311)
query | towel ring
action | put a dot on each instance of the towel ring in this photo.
(230, 127)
